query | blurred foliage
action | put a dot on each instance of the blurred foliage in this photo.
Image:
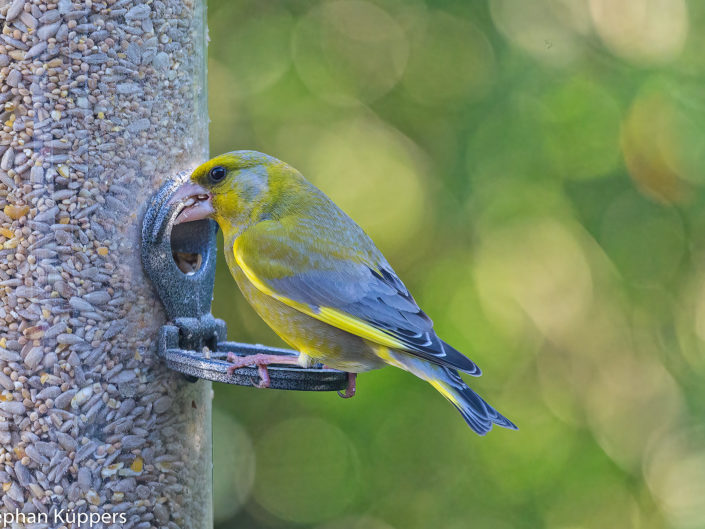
(534, 172)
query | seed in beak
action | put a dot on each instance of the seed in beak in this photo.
(195, 202)
(190, 201)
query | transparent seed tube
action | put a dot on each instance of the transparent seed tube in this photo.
(100, 101)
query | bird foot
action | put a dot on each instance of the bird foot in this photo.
(352, 385)
(260, 361)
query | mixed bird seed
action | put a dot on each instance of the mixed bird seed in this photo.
(100, 100)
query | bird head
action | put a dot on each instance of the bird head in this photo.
(229, 188)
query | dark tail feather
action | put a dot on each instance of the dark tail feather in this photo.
(479, 415)
(460, 361)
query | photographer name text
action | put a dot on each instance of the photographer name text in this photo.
(61, 517)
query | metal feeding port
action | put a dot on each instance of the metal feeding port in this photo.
(180, 260)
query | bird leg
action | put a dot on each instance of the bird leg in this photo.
(260, 361)
(350, 390)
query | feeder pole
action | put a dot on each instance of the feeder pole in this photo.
(100, 101)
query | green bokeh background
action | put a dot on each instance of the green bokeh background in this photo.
(533, 170)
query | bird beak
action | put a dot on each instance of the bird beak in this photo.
(197, 202)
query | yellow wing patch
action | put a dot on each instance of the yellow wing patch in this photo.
(329, 315)
(355, 326)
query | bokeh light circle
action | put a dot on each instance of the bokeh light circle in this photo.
(663, 141)
(674, 469)
(451, 61)
(581, 120)
(624, 387)
(642, 31)
(645, 241)
(537, 269)
(234, 473)
(374, 174)
(306, 470)
(541, 28)
(349, 51)
(253, 67)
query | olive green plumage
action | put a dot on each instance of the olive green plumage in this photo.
(318, 280)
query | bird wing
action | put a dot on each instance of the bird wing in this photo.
(351, 288)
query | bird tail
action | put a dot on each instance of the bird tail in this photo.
(479, 415)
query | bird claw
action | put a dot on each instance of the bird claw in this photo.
(264, 381)
(261, 384)
(260, 361)
(351, 388)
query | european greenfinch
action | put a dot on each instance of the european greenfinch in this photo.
(316, 278)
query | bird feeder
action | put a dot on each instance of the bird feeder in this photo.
(105, 416)
(101, 101)
(180, 260)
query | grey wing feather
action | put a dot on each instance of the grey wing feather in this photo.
(380, 299)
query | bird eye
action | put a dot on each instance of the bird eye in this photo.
(216, 174)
